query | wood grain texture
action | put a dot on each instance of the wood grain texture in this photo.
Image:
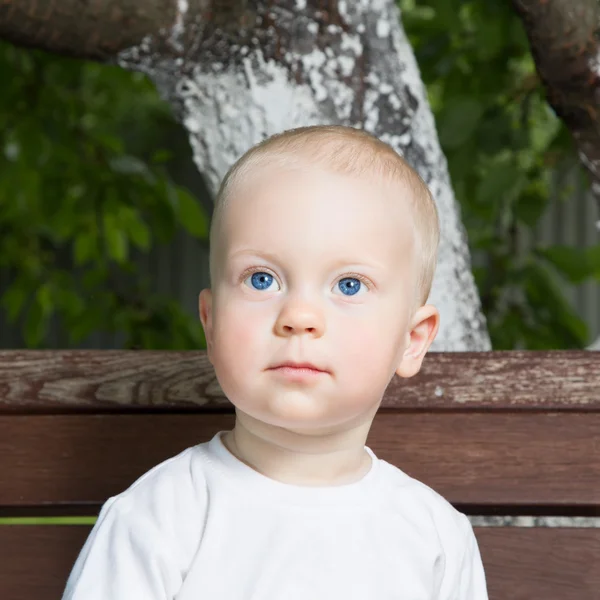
(508, 459)
(117, 381)
(520, 564)
(540, 563)
(35, 560)
(506, 431)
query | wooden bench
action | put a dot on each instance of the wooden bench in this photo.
(505, 436)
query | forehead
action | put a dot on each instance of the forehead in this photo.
(310, 214)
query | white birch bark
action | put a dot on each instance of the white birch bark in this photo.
(301, 66)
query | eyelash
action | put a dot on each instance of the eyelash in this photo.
(253, 270)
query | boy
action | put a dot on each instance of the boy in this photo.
(323, 247)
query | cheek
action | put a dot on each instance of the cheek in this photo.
(238, 333)
(370, 347)
(354, 345)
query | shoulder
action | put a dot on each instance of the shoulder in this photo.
(427, 507)
(168, 501)
(442, 527)
(170, 481)
(145, 537)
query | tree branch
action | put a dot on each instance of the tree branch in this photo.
(94, 29)
(564, 36)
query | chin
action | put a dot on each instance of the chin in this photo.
(290, 419)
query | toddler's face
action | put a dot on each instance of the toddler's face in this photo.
(315, 268)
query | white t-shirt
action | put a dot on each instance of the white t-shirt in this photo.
(205, 526)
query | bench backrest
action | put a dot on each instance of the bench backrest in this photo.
(510, 438)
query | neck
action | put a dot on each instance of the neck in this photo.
(301, 458)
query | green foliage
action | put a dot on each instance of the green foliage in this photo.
(504, 145)
(81, 194)
(80, 198)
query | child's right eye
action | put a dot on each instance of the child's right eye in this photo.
(260, 280)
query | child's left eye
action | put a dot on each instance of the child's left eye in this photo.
(350, 286)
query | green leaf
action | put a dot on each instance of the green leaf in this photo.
(70, 302)
(161, 156)
(85, 248)
(117, 244)
(572, 263)
(448, 14)
(507, 331)
(551, 307)
(531, 204)
(84, 325)
(191, 215)
(77, 138)
(501, 185)
(458, 120)
(44, 298)
(114, 144)
(14, 299)
(493, 134)
(544, 127)
(114, 236)
(36, 325)
(139, 232)
(593, 257)
(490, 35)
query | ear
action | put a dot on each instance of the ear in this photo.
(205, 309)
(424, 328)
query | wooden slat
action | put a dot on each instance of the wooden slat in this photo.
(35, 560)
(520, 564)
(541, 563)
(470, 458)
(107, 380)
(86, 459)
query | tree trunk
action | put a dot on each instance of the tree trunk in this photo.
(97, 30)
(564, 40)
(238, 73)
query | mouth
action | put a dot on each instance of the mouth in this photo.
(298, 367)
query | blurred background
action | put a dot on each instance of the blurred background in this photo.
(104, 217)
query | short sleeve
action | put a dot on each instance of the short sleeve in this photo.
(124, 558)
(471, 579)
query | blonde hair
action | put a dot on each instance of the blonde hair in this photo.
(342, 150)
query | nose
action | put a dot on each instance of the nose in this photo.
(299, 317)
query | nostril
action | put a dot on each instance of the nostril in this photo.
(292, 328)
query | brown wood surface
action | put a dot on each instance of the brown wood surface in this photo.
(35, 560)
(118, 380)
(520, 563)
(511, 431)
(475, 458)
(540, 563)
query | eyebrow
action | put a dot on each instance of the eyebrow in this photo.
(251, 252)
(377, 266)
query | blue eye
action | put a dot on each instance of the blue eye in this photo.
(261, 280)
(349, 286)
